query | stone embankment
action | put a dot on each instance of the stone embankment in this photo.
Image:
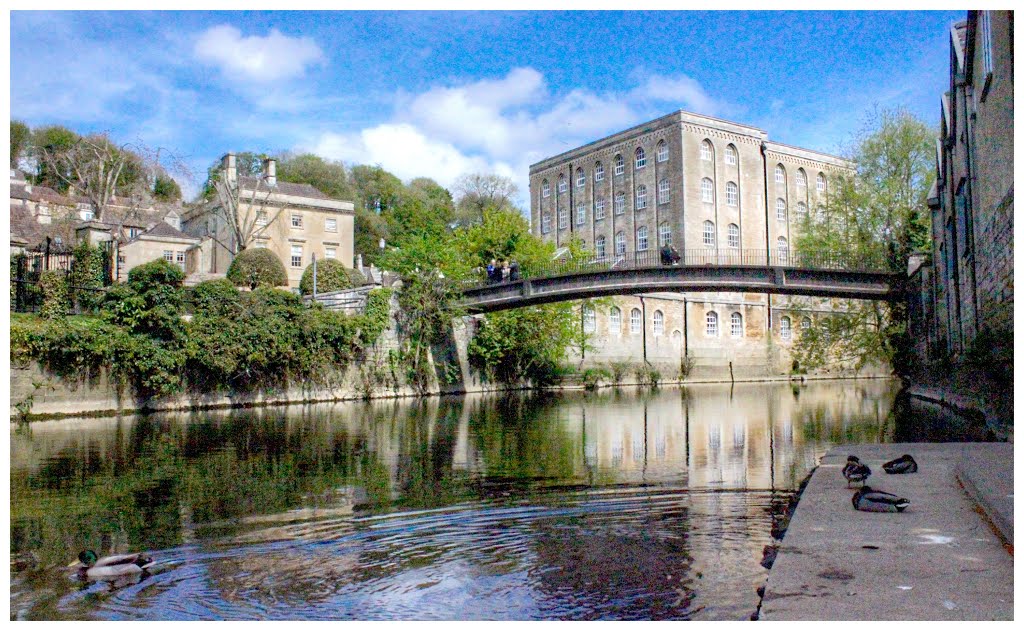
(949, 556)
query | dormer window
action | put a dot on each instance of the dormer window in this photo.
(87, 214)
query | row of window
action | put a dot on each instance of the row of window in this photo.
(175, 258)
(640, 161)
(296, 257)
(658, 323)
(665, 238)
(330, 223)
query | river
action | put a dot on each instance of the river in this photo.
(616, 504)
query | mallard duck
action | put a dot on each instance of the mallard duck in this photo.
(90, 566)
(903, 464)
(872, 501)
(855, 471)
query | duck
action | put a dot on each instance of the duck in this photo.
(903, 464)
(91, 566)
(872, 501)
(855, 471)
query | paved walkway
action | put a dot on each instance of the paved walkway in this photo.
(938, 560)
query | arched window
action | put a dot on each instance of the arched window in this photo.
(707, 191)
(780, 209)
(736, 324)
(562, 186)
(805, 323)
(733, 235)
(780, 174)
(705, 150)
(620, 243)
(620, 203)
(712, 324)
(664, 235)
(641, 158)
(599, 209)
(620, 165)
(545, 223)
(598, 172)
(545, 189)
(801, 178)
(677, 336)
(581, 178)
(709, 234)
(641, 197)
(634, 321)
(563, 218)
(730, 154)
(783, 250)
(662, 151)
(801, 211)
(599, 246)
(589, 319)
(821, 182)
(664, 191)
(732, 194)
(581, 214)
(615, 321)
(641, 239)
(785, 327)
(659, 323)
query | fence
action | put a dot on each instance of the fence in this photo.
(701, 258)
(28, 267)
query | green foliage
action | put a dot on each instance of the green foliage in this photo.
(255, 267)
(54, 287)
(165, 189)
(327, 176)
(618, 371)
(376, 189)
(523, 344)
(648, 376)
(248, 164)
(52, 139)
(377, 315)
(992, 353)
(216, 298)
(21, 137)
(369, 229)
(87, 276)
(331, 275)
(592, 377)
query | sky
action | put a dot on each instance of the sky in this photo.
(439, 94)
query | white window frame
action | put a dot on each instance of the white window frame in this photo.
(664, 235)
(705, 150)
(711, 324)
(600, 246)
(783, 246)
(297, 220)
(179, 259)
(169, 256)
(733, 235)
(545, 189)
(662, 155)
(635, 321)
(785, 327)
(615, 321)
(736, 324)
(262, 218)
(641, 197)
(330, 253)
(780, 209)
(801, 178)
(330, 224)
(581, 213)
(709, 233)
(801, 210)
(599, 209)
(589, 319)
(820, 182)
(780, 174)
(563, 186)
(620, 243)
(581, 178)
(563, 217)
(545, 222)
(664, 191)
(620, 164)
(620, 203)
(641, 239)
(732, 194)
(805, 323)
(707, 191)
(641, 158)
(598, 172)
(658, 326)
(730, 154)
(296, 256)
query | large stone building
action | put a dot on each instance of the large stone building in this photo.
(702, 185)
(295, 221)
(967, 290)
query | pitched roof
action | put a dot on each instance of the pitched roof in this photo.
(284, 188)
(25, 226)
(163, 229)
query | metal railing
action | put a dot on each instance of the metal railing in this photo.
(654, 259)
(27, 268)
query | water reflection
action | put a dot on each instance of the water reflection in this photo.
(609, 505)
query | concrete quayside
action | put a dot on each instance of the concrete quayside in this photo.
(948, 556)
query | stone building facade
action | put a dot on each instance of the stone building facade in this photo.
(708, 187)
(967, 287)
(295, 221)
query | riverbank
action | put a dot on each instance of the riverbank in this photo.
(944, 558)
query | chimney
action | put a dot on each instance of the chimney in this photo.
(270, 172)
(229, 164)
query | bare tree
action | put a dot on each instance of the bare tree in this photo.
(475, 192)
(246, 211)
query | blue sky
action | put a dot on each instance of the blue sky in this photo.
(438, 94)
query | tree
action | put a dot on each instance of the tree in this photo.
(327, 176)
(21, 137)
(878, 214)
(247, 164)
(165, 189)
(376, 190)
(52, 140)
(331, 275)
(255, 267)
(475, 192)
(369, 229)
(245, 210)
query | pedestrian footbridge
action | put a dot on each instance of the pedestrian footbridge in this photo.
(751, 271)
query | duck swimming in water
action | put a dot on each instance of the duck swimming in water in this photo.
(90, 566)
(872, 501)
(903, 464)
(855, 471)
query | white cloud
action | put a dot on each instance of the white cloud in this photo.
(254, 58)
(680, 89)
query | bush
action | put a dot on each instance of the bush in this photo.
(216, 297)
(158, 283)
(54, 286)
(331, 275)
(86, 277)
(255, 267)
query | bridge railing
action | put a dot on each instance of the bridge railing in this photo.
(732, 257)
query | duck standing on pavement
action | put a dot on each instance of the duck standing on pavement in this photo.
(855, 471)
(872, 501)
(903, 464)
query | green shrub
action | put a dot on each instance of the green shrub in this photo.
(331, 275)
(87, 276)
(592, 377)
(158, 282)
(377, 315)
(54, 286)
(255, 267)
(216, 297)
